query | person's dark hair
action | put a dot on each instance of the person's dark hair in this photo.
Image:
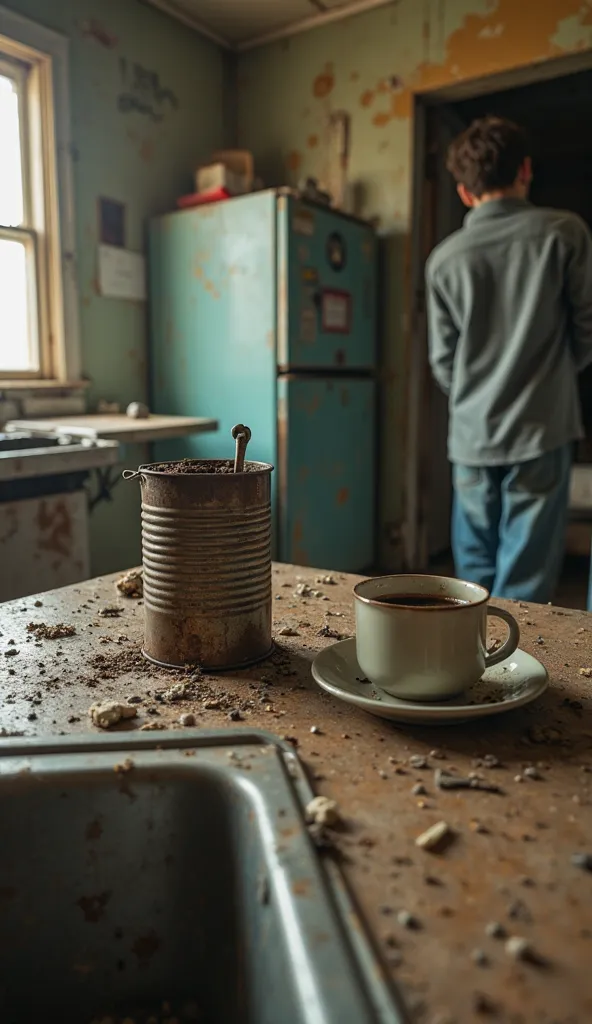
(488, 155)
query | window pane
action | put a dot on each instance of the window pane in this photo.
(11, 175)
(16, 343)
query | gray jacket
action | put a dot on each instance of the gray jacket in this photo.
(510, 326)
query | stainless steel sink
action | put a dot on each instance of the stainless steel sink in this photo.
(177, 868)
(26, 454)
(20, 442)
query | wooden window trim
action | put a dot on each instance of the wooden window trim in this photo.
(51, 223)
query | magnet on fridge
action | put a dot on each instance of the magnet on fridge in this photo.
(336, 251)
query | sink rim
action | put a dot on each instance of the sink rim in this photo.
(353, 942)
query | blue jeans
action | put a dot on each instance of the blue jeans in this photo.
(508, 525)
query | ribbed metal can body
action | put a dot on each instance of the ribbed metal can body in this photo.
(206, 553)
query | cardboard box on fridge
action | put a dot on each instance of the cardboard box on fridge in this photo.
(218, 176)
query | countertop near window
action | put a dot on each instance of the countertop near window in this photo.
(120, 427)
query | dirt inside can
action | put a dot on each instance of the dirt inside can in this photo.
(216, 467)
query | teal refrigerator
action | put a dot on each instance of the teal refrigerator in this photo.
(263, 311)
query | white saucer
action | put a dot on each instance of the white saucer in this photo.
(515, 682)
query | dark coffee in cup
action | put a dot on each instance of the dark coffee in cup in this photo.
(420, 600)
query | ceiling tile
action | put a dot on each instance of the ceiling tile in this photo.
(242, 20)
(244, 23)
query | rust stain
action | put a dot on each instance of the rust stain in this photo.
(93, 29)
(10, 526)
(313, 141)
(94, 830)
(354, 76)
(93, 907)
(507, 36)
(282, 447)
(367, 98)
(301, 887)
(324, 83)
(55, 526)
(293, 160)
(208, 284)
(145, 947)
(298, 552)
(211, 288)
(343, 496)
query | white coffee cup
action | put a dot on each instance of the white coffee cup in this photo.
(420, 649)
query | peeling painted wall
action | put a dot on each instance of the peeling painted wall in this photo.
(149, 101)
(370, 66)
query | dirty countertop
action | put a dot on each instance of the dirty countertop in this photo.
(442, 920)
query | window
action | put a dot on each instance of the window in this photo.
(19, 341)
(38, 304)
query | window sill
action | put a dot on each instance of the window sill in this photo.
(37, 384)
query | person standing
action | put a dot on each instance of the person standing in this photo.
(509, 299)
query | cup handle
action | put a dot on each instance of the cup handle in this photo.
(510, 643)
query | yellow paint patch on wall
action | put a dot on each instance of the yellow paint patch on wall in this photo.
(508, 36)
(324, 83)
(293, 160)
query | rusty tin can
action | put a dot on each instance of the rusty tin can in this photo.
(206, 554)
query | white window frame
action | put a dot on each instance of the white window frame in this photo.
(48, 164)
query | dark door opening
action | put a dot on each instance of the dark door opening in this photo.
(557, 114)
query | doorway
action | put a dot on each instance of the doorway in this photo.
(553, 102)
